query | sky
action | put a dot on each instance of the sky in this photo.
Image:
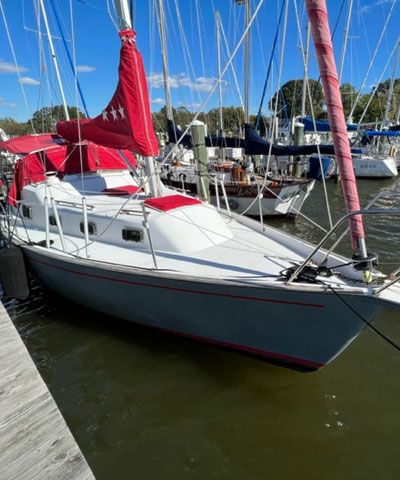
(90, 32)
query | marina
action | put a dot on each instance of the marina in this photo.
(169, 280)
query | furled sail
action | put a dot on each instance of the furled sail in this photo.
(317, 15)
(126, 121)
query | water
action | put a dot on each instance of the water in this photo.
(147, 405)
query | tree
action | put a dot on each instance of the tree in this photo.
(289, 99)
(14, 128)
(45, 119)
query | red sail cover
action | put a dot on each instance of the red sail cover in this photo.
(126, 121)
(317, 15)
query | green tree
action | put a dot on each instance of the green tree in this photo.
(45, 119)
(14, 128)
(289, 98)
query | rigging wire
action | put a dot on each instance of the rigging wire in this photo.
(73, 67)
(73, 54)
(17, 68)
(367, 323)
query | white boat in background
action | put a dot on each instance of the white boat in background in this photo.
(374, 166)
(120, 242)
(241, 192)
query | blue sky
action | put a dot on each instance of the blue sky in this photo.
(191, 50)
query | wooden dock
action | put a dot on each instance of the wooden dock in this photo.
(35, 442)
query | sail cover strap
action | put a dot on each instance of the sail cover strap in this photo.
(317, 15)
(126, 121)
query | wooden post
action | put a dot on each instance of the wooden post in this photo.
(200, 155)
(298, 140)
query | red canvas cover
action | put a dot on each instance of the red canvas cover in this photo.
(172, 201)
(318, 17)
(25, 144)
(126, 121)
(30, 169)
(65, 160)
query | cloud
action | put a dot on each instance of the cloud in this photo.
(4, 103)
(368, 8)
(7, 67)
(158, 101)
(85, 68)
(201, 84)
(29, 81)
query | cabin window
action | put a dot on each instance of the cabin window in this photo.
(52, 220)
(132, 234)
(27, 211)
(92, 229)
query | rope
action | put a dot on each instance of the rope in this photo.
(368, 324)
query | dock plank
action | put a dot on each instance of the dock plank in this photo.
(35, 441)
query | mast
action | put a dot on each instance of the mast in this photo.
(53, 57)
(246, 62)
(246, 56)
(221, 119)
(350, 119)
(125, 22)
(161, 29)
(398, 113)
(317, 15)
(390, 91)
(305, 75)
(345, 35)
(123, 14)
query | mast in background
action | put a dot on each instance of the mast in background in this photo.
(345, 36)
(54, 59)
(221, 119)
(350, 117)
(305, 73)
(161, 30)
(390, 91)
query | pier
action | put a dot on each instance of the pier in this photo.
(35, 441)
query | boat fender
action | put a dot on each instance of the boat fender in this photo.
(233, 204)
(13, 273)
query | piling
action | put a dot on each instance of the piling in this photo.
(200, 155)
(298, 139)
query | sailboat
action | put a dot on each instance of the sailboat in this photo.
(239, 183)
(127, 246)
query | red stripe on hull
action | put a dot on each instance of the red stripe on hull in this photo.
(309, 364)
(186, 290)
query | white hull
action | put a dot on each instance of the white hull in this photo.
(195, 272)
(375, 166)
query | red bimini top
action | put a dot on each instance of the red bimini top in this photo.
(65, 159)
